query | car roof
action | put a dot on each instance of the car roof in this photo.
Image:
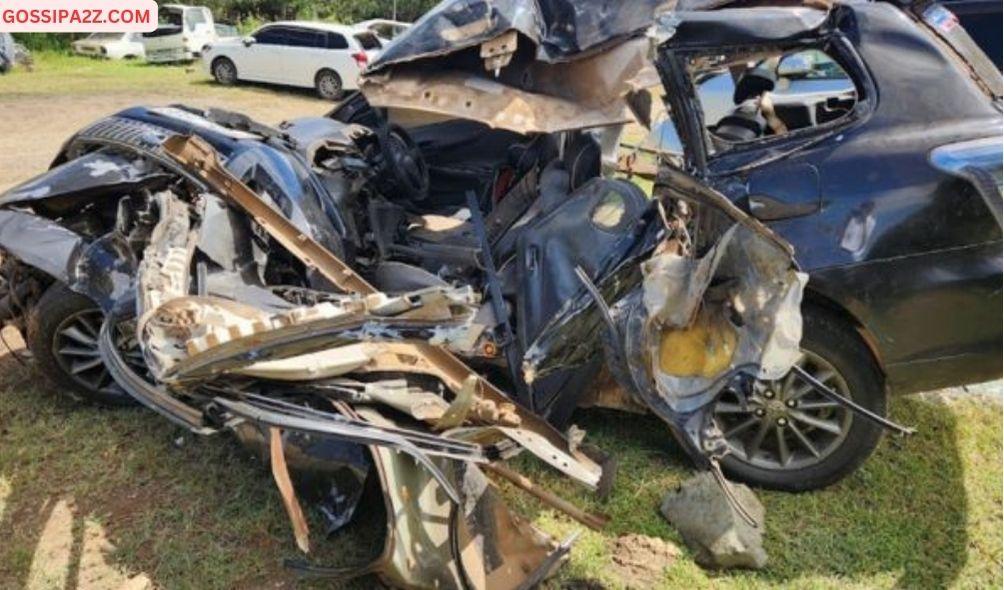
(317, 26)
(382, 21)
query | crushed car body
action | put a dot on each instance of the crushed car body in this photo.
(424, 283)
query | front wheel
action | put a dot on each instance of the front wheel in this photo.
(224, 71)
(328, 85)
(786, 436)
(63, 330)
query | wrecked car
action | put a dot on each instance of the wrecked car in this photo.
(430, 279)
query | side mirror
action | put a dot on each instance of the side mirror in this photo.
(794, 66)
(248, 41)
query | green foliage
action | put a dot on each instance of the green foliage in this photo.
(46, 41)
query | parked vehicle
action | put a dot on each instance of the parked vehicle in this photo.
(110, 45)
(13, 54)
(386, 30)
(183, 33)
(326, 57)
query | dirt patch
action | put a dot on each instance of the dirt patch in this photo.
(34, 127)
(638, 561)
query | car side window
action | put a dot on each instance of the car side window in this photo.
(745, 98)
(270, 36)
(336, 41)
(295, 37)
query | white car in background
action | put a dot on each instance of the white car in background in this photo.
(182, 34)
(386, 30)
(110, 45)
(323, 56)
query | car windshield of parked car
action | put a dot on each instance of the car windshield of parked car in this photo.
(756, 97)
(194, 17)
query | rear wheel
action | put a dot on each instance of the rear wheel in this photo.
(328, 85)
(786, 436)
(63, 330)
(224, 71)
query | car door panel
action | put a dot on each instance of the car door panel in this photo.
(264, 56)
(922, 309)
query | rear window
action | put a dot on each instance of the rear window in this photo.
(336, 41)
(368, 41)
(169, 23)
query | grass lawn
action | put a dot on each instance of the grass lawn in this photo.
(93, 498)
(70, 74)
(184, 512)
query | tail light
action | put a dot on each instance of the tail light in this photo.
(361, 59)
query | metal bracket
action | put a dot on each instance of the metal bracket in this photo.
(851, 404)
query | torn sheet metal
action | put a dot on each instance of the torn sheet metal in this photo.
(328, 475)
(581, 94)
(557, 29)
(432, 543)
(203, 160)
(101, 269)
(750, 320)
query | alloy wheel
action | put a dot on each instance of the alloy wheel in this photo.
(786, 424)
(225, 72)
(75, 347)
(328, 85)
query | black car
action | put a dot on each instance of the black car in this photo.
(884, 172)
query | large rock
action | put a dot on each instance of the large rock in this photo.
(718, 536)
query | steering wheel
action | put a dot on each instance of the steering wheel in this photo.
(404, 164)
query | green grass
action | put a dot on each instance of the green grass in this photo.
(924, 512)
(65, 74)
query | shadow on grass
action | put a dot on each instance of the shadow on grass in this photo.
(121, 498)
(901, 518)
(279, 89)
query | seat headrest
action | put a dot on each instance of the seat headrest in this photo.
(754, 83)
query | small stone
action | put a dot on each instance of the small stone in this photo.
(719, 537)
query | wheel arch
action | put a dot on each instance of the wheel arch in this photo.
(321, 70)
(816, 299)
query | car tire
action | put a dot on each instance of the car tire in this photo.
(328, 85)
(830, 345)
(63, 329)
(224, 71)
